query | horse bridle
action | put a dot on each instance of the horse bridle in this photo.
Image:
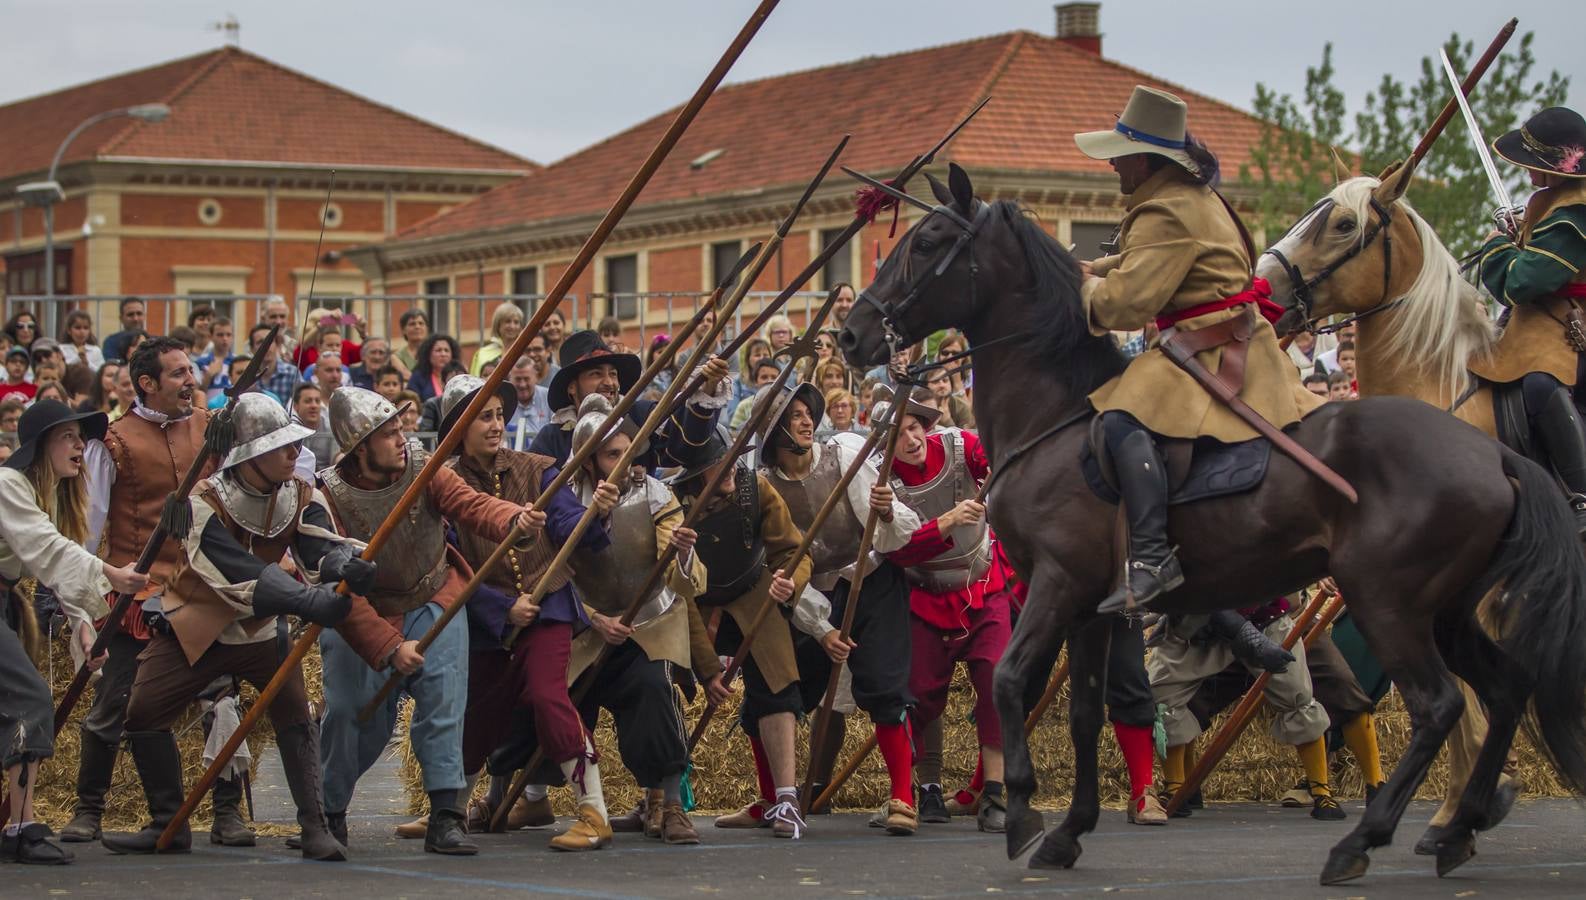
(967, 230)
(1302, 287)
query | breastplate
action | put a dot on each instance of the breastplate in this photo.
(609, 580)
(411, 566)
(729, 543)
(835, 546)
(970, 556)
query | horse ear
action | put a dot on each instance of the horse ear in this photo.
(1340, 170)
(963, 191)
(943, 195)
(1395, 181)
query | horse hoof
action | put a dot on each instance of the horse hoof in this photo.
(1024, 830)
(1454, 853)
(1427, 845)
(1344, 865)
(1058, 851)
(1502, 801)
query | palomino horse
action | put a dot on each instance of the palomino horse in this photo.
(1438, 524)
(1420, 326)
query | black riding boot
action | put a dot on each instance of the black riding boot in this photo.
(299, 747)
(94, 769)
(1152, 569)
(229, 829)
(1248, 644)
(160, 768)
(1558, 428)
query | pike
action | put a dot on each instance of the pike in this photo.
(1472, 78)
(1251, 702)
(517, 539)
(1505, 216)
(823, 720)
(575, 268)
(665, 408)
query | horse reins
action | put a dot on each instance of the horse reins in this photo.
(1302, 287)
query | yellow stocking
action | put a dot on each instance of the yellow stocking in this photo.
(1360, 736)
(1313, 756)
(1173, 767)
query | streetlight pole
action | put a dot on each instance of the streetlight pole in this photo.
(48, 192)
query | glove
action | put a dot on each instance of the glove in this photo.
(279, 594)
(340, 563)
(1507, 219)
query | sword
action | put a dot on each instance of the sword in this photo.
(1506, 216)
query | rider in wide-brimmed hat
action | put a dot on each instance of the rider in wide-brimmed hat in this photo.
(588, 367)
(1183, 261)
(1540, 274)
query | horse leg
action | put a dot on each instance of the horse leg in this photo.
(1409, 655)
(1503, 688)
(1035, 642)
(1087, 667)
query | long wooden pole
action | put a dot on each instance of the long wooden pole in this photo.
(574, 270)
(900, 405)
(1240, 718)
(1469, 84)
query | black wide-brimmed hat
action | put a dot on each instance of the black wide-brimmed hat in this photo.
(1553, 140)
(585, 350)
(43, 415)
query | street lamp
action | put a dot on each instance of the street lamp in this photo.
(48, 192)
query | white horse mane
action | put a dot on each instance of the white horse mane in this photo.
(1442, 322)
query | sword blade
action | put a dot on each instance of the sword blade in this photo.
(1498, 188)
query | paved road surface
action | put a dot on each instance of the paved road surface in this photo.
(1230, 851)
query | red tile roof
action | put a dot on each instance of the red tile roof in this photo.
(777, 131)
(231, 105)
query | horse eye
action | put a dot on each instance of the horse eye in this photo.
(923, 244)
(1344, 226)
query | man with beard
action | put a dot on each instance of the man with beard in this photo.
(804, 474)
(416, 580)
(224, 608)
(635, 683)
(589, 367)
(530, 672)
(746, 541)
(139, 464)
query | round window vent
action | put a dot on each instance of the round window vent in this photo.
(330, 215)
(209, 211)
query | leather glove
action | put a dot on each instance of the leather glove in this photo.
(341, 563)
(279, 594)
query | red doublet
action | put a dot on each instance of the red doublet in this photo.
(949, 611)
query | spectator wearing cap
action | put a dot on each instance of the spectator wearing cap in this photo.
(17, 387)
(47, 361)
(118, 345)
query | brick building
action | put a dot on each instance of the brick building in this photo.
(226, 196)
(748, 155)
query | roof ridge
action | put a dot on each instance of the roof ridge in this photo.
(304, 76)
(131, 127)
(114, 76)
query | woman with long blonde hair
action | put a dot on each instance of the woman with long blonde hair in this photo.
(43, 522)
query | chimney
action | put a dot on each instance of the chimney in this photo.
(1079, 25)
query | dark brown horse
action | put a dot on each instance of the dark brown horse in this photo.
(1444, 514)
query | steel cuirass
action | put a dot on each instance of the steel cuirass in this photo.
(609, 580)
(411, 567)
(970, 557)
(834, 547)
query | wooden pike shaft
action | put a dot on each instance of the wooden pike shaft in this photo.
(1253, 698)
(574, 269)
(823, 719)
(1472, 78)
(1059, 676)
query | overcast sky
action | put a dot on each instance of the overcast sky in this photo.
(544, 79)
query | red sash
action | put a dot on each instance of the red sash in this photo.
(1259, 293)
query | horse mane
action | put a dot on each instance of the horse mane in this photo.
(1058, 332)
(1441, 324)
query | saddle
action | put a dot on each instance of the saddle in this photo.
(1197, 469)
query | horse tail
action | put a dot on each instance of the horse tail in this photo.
(1542, 614)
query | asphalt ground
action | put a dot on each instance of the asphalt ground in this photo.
(1232, 851)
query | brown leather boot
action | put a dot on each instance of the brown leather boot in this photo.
(676, 827)
(901, 818)
(526, 813)
(1147, 811)
(751, 816)
(589, 831)
(632, 821)
(652, 817)
(415, 829)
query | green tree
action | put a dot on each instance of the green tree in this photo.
(1291, 165)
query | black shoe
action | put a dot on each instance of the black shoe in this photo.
(1195, 801)
(1248, 644)
(1165, 797)
(94, 770)
(932, 807)
(338, 827)
(1152, 570)
(34, 845)
(1324, 807)
(1371, 791)
(160, 767)
(816, 789)
(1558, 429)
(228, 829)
(447, 836)
(993, 815)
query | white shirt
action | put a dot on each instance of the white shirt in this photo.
(30, 545)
